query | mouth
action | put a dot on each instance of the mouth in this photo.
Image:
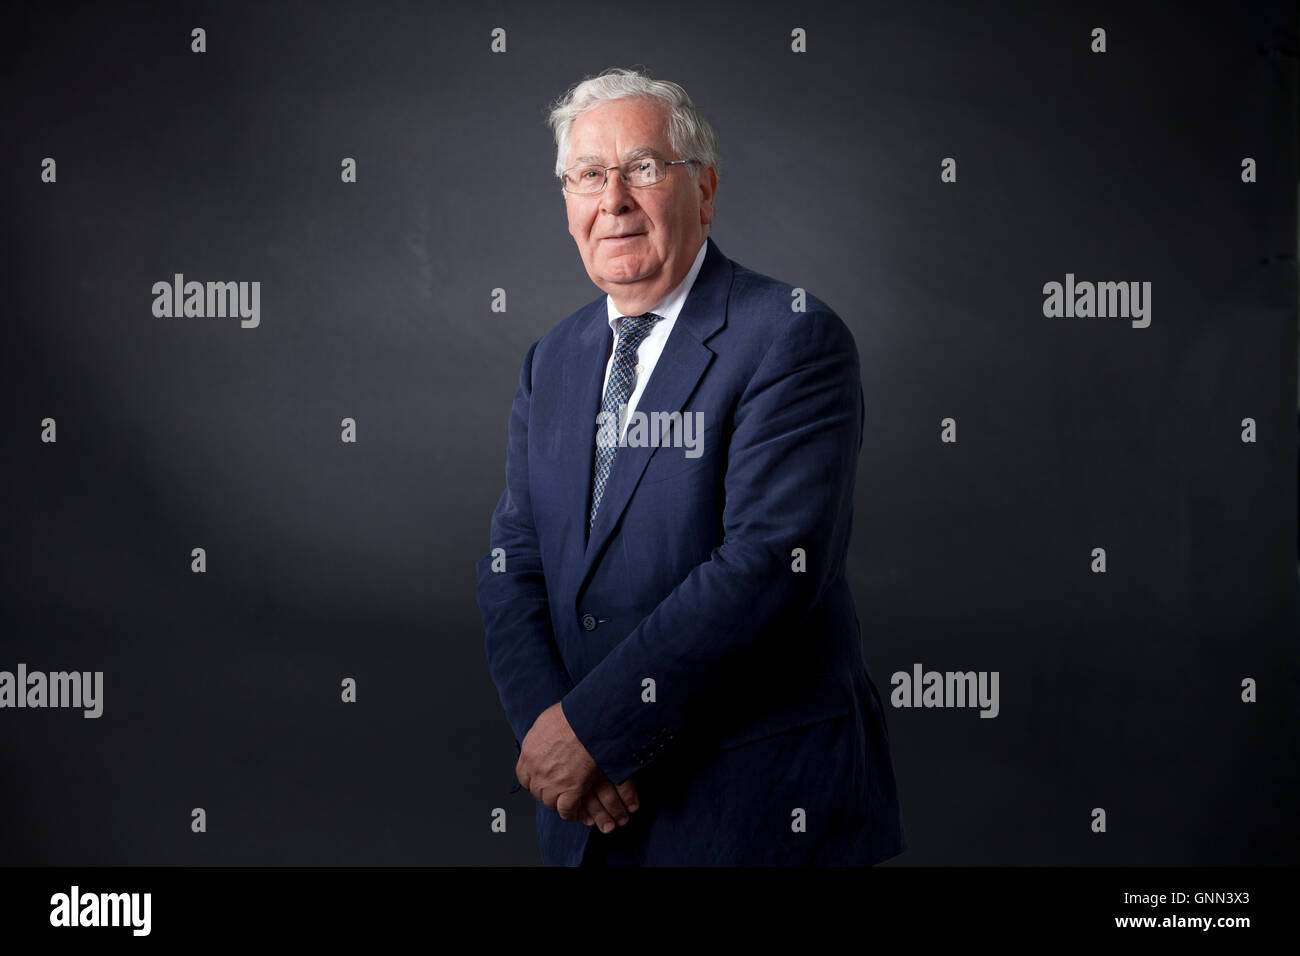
(623, 237)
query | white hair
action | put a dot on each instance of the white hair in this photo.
(689, 133)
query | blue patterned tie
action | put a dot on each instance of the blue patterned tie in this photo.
(622, 377)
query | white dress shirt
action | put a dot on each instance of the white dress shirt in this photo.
(652, 346)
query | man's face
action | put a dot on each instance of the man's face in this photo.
(662, 225)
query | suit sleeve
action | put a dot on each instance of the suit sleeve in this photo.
(520, 644)
(791, 462)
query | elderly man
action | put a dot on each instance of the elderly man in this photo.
(668, 619)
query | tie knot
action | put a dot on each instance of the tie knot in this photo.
(634, 328)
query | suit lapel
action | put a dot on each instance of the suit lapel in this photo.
(676, 374)
(584, 372)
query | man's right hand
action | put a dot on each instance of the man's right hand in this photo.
(605, 805)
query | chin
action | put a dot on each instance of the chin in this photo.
(616, 271)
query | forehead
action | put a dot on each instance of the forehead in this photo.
(619, 130)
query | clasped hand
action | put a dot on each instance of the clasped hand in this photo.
(557, 770)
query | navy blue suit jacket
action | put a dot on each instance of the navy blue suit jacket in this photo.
(765, 741)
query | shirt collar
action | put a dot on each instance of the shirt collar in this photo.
(671, 304)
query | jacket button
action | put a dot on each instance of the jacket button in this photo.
(588, 622)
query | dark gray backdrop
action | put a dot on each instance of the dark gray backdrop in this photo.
(329, 560)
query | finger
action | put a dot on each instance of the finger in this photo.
(569, 804)
(627, 790)
(599, 815)
(607, 793)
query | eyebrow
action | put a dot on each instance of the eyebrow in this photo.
(634, 154)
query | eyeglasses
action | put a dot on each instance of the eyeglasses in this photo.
(646, 171)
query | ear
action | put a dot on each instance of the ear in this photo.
(708, 185)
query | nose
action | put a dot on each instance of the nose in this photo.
(616, 198)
